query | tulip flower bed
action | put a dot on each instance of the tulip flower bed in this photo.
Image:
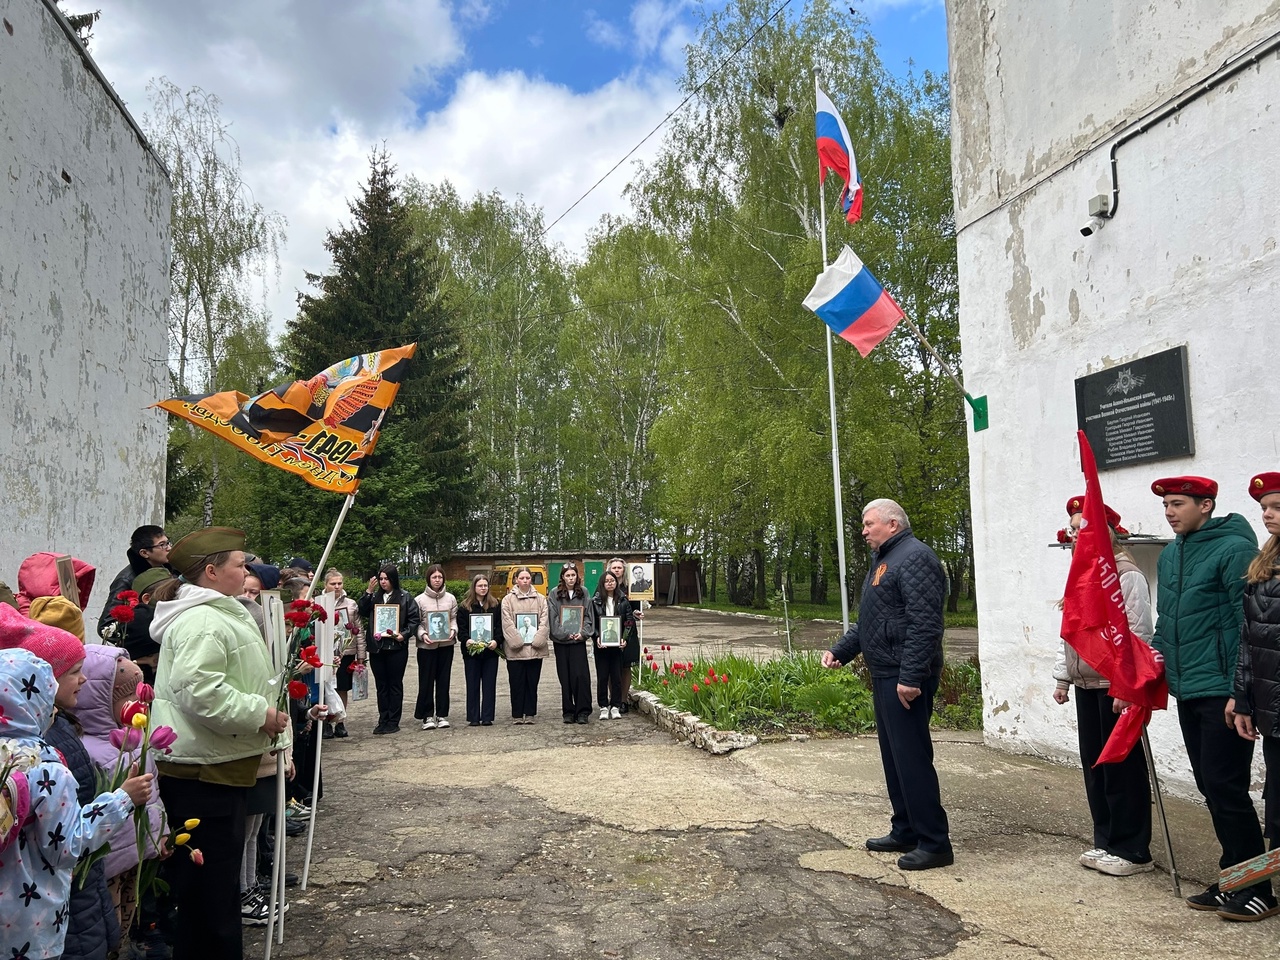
(793, 693)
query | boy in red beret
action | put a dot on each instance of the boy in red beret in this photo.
(1200, 609)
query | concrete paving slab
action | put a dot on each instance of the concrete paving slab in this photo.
(611, 840)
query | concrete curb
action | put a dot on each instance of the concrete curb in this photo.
(690, 727)
(749, 616)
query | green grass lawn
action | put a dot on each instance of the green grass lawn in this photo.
(967, 616)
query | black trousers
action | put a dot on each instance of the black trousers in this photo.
(387, 667)
(1222, 762)
(1119, 794)
(434, 669)
(207, 896)
(906, 752)
(575, 679)
(523, 676)
(609, 671)
(482, 686)
(1271, 790)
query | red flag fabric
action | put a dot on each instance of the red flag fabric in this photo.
(1095, 624)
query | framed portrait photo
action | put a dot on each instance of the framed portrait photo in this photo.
(570, 620)
(481, 627)
(527, 627)
(610, 631)
(640, 581)
(386, 618)
(437, 626)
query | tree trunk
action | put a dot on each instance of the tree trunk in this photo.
(817, 572)
(761, 598)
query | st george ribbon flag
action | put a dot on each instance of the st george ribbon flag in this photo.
(853, 304)
(1095, 624)
(835, 152)
(324, 429)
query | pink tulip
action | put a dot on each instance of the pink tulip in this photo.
(126, 738)
(145, 692)
(197, 857)
(162, 738)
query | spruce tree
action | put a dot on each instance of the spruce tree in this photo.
(383, 291)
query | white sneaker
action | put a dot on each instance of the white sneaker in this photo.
(1090, 858)
(615, 713)
(429, 723)
(442, 723)
(604, 713)
(1120, 867)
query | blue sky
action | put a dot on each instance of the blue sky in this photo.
(584, 43)
(531, 98)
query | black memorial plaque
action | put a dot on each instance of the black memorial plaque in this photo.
(1137, 412)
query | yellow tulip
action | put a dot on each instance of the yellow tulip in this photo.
(191, 824)
(180, 839)
(139, 720)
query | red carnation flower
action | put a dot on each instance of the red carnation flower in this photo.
(128, 596)
(298, 690)
(297, 618)
(122, 614)
(300, 605)
(309, 655)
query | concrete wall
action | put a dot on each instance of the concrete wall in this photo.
(1038, 93)
(84, 285)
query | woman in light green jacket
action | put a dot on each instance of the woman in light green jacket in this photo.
(213, 687)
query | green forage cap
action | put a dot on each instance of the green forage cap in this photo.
(188, 551)
(144, 581)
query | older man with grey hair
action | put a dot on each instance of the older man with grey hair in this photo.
(899, 634)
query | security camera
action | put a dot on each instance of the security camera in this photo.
(1092, 226)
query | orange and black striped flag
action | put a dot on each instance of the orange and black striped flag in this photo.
(324, 429)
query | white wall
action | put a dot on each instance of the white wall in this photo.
(1190, 258)
(84, 282)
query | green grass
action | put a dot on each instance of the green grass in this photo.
(966, 616)
(794, 693)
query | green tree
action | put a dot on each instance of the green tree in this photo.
(384, 291)
(743, 441)
(223, 241)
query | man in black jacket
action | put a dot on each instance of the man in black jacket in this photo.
(899, 634)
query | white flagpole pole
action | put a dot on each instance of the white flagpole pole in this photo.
(318, 576)
(831, 393)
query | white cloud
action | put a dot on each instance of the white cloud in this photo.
(603, 33)
(310, 93)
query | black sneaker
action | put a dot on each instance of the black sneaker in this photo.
(1248, 905)
(1211, 899)
(254, 910)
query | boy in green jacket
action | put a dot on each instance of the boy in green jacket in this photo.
(1200, 610)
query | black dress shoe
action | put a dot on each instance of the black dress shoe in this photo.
(486, 723)
(919, 860)
(473, 723)
(889, 844)
(340, 731)
(380, 729)
(392, 728)
(568, 718)
(584, 718)
(327, 733)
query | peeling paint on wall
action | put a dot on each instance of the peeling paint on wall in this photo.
(84, 286)
(1188, 260)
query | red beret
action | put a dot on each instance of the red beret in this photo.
(1263, 484)
(1186, 486)
(1076, 505)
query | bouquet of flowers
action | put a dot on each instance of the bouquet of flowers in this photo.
(122, 614)
(302, 657)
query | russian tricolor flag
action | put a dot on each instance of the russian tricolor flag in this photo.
(853, 304)
(835, 152)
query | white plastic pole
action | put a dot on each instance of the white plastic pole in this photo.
(835, 439)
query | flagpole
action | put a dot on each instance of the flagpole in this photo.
(1164, 821)
(318, 576)
(831, 396)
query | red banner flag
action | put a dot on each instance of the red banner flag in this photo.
(1095, 624)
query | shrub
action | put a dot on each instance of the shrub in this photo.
(794, 692)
